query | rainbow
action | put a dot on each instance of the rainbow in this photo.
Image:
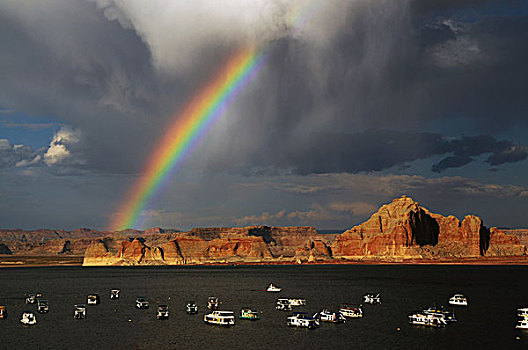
(186, 129)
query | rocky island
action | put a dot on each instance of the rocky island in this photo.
(399, 232)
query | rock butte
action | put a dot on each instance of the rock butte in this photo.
(398, 230)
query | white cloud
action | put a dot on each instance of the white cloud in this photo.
(59, 151)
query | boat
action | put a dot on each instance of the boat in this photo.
(79, 312)
(191, 308)
(371, 298)
(297, 302)
(351, 310)
(459, 300)
(212, 303)
(283, 305)
(273, 288)
(220, 318)
(3, 311)
(163, 312)
(522, 322)
(93, 299)
(326, 315)
(42, 306)
(114, 294)
(441, 311)
(28, 318)
(301, 319)
(31, 299)
(430, 320)
(248, 314)
(142, 303)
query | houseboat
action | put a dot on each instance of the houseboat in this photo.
(372, 298)
(93, 299)
(297, 302)
(273, 288)
(28, 318)
(248, 314)
(448, 315)
(142, 303)
(191, 308)
(459, 300)
(114, 294)
(429, 320)
(330, 316)
(212, 303)
(3, 312)
(351, 310)
(163, 312)
(220, 318)
(79, 312)
(283, 305)
(42, 306)
(301, 319)
(31, 299)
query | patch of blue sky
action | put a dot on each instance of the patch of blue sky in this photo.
(30, 130)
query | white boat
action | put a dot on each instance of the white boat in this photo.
(351, 310)
(430, 320)
(212, 303)
(330, 316)
(301, 319)
(297, 302)
(31, 299)
(142, 303)
(42, 306)
(79, 312)
(522, 323)
(283, 305)
(114, 294)
(459, 300)
(93, 299)
(28, 318)
(522, 312)
(273, 288)
(191, 308)
(372, 298)
(220, 318)
(248, 314)
(163, 312)
(449, 316)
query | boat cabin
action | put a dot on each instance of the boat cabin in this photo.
(79, 312)
(249, 314)
(28, 318)
(191, 308)
(93, 299)
(212, 303)
(42, 306)
(163, 312)
(114, 294)
(142, 303)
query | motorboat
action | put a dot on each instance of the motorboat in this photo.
(93, 299)
(302, 319)
(522, 312)
(114, 294)
(3, 311)
(425, 319)
(326, 315)
(163, 312)
(79, 312)
(142, 303)
(220, 318)
(441, 311)
(371, 298)
(283, 305)
(351, 310)
(297, 302)
(249, 314)
(522, 322)
(459, 300)
(31, 299)
(273, 288)
(212, 303)
(42, 306)
(191, 308)
(28, 318)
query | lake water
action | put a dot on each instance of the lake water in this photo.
(494, 293)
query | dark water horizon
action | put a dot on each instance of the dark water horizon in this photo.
(494, 294)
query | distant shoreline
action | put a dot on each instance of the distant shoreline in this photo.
(54, 261)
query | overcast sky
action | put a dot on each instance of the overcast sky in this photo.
(360, 102)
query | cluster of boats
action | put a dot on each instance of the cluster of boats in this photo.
(438, 316)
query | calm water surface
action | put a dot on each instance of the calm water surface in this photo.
(494, 293)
